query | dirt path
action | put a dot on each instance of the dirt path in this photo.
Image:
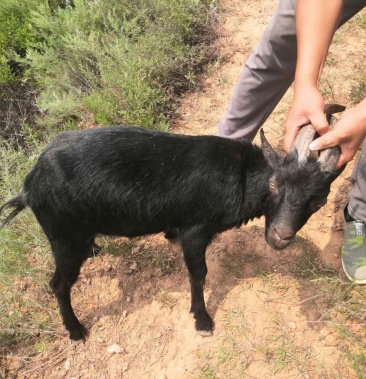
(270, 315)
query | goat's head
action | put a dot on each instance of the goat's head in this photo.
(299, 183)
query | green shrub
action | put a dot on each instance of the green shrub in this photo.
(122, 61)
(16, 34)
(17, 93)
(126, 62)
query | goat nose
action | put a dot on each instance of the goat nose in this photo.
(282, 235)
(284, 232)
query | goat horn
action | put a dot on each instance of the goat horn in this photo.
(328, 157)
(302, 142)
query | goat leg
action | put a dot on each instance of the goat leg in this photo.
(62, 288)
(194, 248)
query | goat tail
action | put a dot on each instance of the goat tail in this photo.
(19, 203)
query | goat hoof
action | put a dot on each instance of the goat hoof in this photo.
(204, 325)
(78, 334)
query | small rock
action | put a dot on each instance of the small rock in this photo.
(114, 349)
(67, 365)
(135, 249)
(292, 325)
(124, 314)
(107, 268)
(128, 299)
(133, 267)
(220, 247)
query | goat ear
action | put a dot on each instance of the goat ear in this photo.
(272, 158)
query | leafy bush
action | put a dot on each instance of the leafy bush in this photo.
(16, 34)
(17, 96)
(125, 62)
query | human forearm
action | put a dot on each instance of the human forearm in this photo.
(316, 23)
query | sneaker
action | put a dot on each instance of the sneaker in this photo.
(354, 249)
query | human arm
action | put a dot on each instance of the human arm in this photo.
(316, 22)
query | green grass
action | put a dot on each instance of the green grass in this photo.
(121, 61)
(25, 261)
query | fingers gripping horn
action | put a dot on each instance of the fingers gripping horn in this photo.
(328, 157)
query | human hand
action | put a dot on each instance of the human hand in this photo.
(308, 107)
(348, 134)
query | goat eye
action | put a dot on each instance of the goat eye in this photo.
(272, 186)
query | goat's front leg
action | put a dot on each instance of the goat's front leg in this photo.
(194, 245)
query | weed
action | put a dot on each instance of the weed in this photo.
(358, 91)
(25, 262)
(167, 300)
(360, 19)
(208, 373)
(133, 253)
(237, 264)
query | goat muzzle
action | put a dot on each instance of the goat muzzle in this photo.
(280, 236)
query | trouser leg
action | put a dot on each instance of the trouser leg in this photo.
(357, 196)
(269, 72)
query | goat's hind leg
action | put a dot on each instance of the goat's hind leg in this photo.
(69, 258)
(194, 245)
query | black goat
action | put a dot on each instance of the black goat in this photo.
(130, 181)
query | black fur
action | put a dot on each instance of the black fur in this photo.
(131, 181)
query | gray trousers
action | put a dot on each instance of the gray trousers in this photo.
(266, 76)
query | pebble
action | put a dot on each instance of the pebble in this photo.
(114, 349)
(133, 267)
(292, 325)
(135, 249)
(67, 365)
